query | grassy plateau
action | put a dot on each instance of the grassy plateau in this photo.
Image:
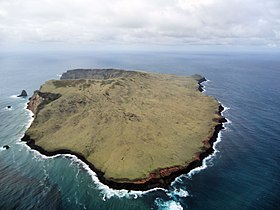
(127, 124)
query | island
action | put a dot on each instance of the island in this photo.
(136, 130)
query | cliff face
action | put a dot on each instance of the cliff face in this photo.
(99, 74)
(34, 102)
(39, 99)
(136, 130)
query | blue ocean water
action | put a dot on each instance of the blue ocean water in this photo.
(242, 174)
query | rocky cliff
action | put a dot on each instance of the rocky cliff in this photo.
(39, 99)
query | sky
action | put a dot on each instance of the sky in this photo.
(140, 23)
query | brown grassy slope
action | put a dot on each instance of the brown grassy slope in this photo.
(127, 127)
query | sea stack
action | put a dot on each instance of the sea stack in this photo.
(6, 147)
(23, 94)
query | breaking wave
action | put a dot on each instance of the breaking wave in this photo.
(168, 205)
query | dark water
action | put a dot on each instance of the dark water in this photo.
(243, 174)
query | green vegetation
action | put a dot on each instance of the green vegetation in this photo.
(127, 127)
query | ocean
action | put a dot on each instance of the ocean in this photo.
(243, 172)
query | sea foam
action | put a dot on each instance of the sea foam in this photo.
(108, 192)
(168, 205)
(9, 109)
(206, 162)
(203, 87)
(14, 96)
(30, 117)
(18, 98)
(179, 192)
(105, 191)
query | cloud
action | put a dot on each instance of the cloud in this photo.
(172, 22)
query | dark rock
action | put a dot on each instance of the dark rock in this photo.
(200, 87)
(199, 78)
(6, 146)
(23, 94)
(9, 107)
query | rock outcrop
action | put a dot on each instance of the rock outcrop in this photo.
(6, 147)
(199, 80)
(23, 94)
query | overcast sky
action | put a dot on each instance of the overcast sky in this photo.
(140, 22)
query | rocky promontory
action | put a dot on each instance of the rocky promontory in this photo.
(136, 130)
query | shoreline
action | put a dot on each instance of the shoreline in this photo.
(160, 178)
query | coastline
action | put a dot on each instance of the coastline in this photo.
(160, 178)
